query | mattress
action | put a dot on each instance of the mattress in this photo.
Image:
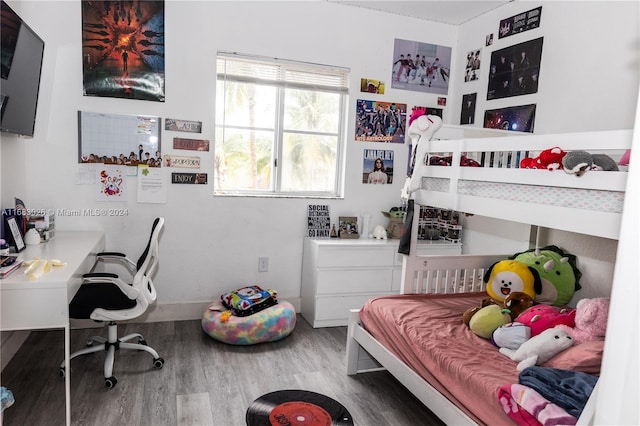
(426, 332)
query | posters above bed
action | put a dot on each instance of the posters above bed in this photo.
(514, 70)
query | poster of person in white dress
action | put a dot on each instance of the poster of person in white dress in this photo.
(377, 166)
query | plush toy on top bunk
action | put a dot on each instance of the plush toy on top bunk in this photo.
(579, 162)
(550, 159)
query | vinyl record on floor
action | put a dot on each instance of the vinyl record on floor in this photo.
(297, 408)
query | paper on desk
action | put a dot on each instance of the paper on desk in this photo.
(38, 267)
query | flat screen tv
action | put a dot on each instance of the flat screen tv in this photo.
(21, 66)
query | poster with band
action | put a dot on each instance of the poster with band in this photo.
(380, 121)
(514, 70)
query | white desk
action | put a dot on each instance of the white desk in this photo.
(44, 303)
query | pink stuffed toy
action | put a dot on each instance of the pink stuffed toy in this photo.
(590, 320)
(541, 317)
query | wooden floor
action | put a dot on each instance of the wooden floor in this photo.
(203, 382)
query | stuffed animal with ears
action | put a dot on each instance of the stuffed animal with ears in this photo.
(485, 319)
(516, 303)
(558, 271)
(508, 276)
(421, 130)
(550, 159)
(539, 349)
(579, 162)
(542, 317)
(590, 320)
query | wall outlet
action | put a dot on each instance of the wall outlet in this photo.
(263, 264)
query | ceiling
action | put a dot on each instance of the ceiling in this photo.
(452, 12)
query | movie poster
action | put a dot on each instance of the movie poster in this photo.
(421, 67)
(380, 121)
(377, 167)
(123, 49)
(518, 118)
(514, 70)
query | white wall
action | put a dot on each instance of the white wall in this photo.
(589, 70)
(211, 244)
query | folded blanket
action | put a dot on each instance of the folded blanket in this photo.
(567, 388)
(527, 407)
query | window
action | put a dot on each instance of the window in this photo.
(279, 127)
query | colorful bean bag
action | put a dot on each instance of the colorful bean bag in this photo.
(270, 324)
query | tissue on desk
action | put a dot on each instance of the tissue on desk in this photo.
(38, 267)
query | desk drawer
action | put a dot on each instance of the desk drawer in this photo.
(29, 309)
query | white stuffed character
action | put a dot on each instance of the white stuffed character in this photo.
(421, 129)
(379, 233)
(539, 349)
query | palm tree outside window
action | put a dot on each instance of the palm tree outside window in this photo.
(279, 127)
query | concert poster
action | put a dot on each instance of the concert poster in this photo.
(517, 118)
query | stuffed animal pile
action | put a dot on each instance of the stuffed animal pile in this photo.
(572, 162)
(526, 315)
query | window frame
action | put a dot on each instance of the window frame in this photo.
(337, 82)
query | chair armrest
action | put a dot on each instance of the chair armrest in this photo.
(99, 275)
(111, 254)
(130, 291)
(118, 257)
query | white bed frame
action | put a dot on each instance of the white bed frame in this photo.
(458, 274)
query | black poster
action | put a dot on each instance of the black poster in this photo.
(519, 23)
(468, 111)
(514, 70)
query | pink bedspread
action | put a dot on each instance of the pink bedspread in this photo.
(427, 333)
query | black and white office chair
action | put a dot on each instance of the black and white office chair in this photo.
(105, 296)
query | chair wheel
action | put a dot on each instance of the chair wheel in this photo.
(62, 373)
(158, 363)
(142, 342)
(89, 342)
(110, 382)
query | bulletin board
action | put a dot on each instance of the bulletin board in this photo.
(119, 139)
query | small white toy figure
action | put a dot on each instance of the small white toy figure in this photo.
(379, 233)
(421, 130)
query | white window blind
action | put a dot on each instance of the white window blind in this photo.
(279, 72)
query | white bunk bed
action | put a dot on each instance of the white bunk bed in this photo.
(590, 204)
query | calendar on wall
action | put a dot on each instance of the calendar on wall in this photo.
(119, 139)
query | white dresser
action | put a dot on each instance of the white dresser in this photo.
(338, 275)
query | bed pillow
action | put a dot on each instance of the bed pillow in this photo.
(585, 357)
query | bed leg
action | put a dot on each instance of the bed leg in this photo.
(353, 348)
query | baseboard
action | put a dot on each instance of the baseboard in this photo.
(171, 312)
